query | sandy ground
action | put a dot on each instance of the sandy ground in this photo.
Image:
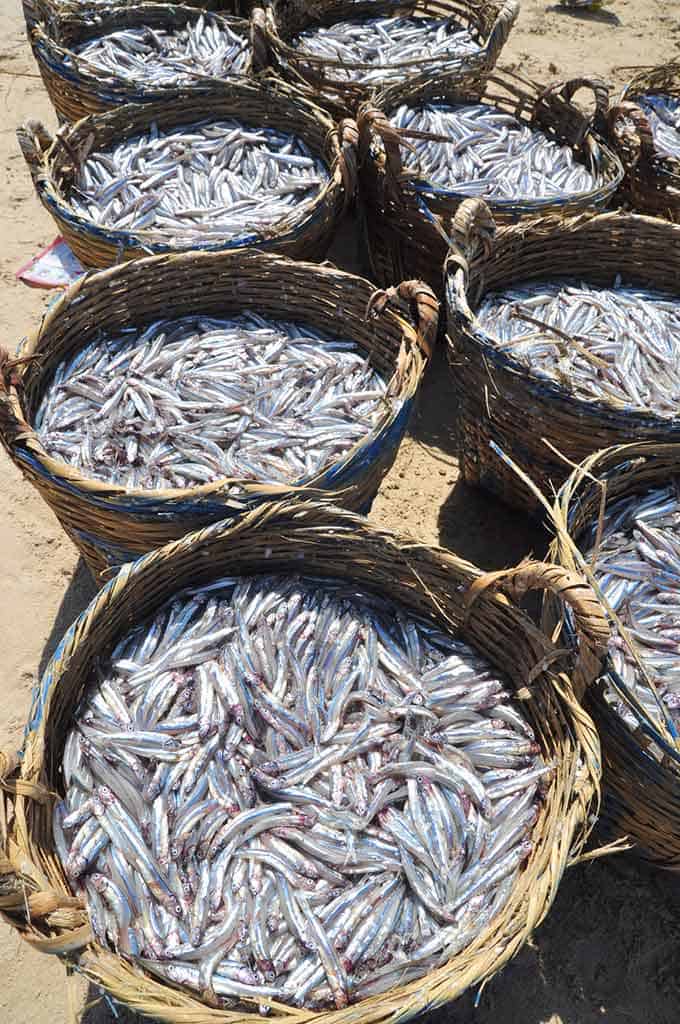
(609, 951)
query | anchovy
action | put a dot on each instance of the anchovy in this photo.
(638, 570)
(490, 154)
(250, 858)
(186, 402)
(663, 115)
(615, 345)
(206, 182)
(373, 50)
(156, 56)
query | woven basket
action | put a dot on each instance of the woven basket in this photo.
(429, 582)
(268, 102)
(538, 424)
(652, 182)
(112, 525)
(76, 90)
(641, 794)
(406, 227)
(489, 22)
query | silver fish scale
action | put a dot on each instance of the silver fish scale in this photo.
(383, 42)
(490, 154)
(663, 115)
(638, 571)
(189, 401)
(156, 56)
(616, 345)
(202, 183)
(285, 788)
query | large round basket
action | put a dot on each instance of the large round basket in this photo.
(652, 182)
(110, 524)
(76, 90)
(429, 582)
(489, 23)
(305, 234)
(641, 767)
(540, 425)
(408, 221)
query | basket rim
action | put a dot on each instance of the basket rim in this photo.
(466, 323)
(108, 494)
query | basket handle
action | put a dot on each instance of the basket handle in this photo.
(472, 230)
(34, 141)
(507, 16)
(568, 89)
(631, 133)
(259, 46)
(421, 302)
(13, 427)
(590, 621)
(348, 132)
(28, 898)
(370, 120)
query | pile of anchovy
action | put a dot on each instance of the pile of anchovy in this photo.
(372, 49)
(284, 789)
(638, 570)
(616, 345)
(157, 56)
(663, 115)
(490, 154)
(201, 183)
(188, 401)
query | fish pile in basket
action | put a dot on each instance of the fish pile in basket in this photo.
(373, 50)
(188, 401)
(637, 566)
(663, 115)
(208, 181)
(284, 788)
(478, 150)
(158, 56)
(575, 334)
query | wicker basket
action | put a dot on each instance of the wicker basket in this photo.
(489, 22)
(652, 182)
(76, 90)
(641, 793)
(112, 525)
(541, 426)
(408, 227)
(430, 582)
(268, 102)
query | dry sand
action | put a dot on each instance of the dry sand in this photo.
(610, 949)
